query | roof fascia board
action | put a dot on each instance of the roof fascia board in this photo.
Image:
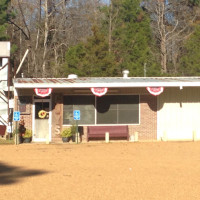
(109, 85)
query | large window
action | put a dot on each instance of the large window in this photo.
(121, 109)
(86, 105)
(110, 109)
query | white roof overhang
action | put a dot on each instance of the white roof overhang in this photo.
(109, 85)
(119, 83)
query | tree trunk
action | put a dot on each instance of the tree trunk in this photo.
(46, 32)
(162, 37)
(110, 27)
(163, 56)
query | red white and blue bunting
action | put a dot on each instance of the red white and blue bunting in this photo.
(99, 91)
(155, 90)
(43, 92)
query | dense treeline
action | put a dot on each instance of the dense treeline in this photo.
(91, 38)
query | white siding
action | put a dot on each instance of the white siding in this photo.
(4, 71)
(4, 54)
(4, 49)
(179, 114)
(3, 110)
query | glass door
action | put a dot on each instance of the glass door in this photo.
(41, 120)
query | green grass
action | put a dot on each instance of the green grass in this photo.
(3, 141)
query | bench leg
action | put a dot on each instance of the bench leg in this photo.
(107, 137)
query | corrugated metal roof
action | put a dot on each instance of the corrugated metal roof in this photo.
(106, 82)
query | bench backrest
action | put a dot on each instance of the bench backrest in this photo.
(110, 129)
(2, 130)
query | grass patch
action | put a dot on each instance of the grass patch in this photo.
(3, 141)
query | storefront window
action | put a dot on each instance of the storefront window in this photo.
(121, 109)
(110, 109)
(86, 105)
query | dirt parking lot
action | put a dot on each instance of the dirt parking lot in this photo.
(99, 171)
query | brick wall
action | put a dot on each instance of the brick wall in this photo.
(28, 121)
(147, 129)
(27, 115)
(57, 112)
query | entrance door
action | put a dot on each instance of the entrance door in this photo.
(42, 120)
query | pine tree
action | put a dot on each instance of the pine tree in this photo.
(190, 61)
(90, 58)
(3, 19)
(132, 39)
(124, 44)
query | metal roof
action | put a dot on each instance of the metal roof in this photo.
(87, 82)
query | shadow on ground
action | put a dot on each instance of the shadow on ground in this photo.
(12, 174)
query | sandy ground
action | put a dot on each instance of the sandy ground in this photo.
(93, 171)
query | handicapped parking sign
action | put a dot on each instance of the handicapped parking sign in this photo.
(16, 116)
(77, 115)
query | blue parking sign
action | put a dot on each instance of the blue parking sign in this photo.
(16, 116)
(77, 115)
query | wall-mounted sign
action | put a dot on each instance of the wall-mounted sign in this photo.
(155, 90)
(77, 114)
(16, 116)
(99, 91)
(43, 92)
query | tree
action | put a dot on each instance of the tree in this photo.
(132, 39)
(3, 19)
(91, 58)
(123, 43)
(47, 28)
(171, 22)
(190, 61)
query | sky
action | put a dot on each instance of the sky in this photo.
(105, 1)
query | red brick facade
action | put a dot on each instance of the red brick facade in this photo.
(27, 115)
(147, 128)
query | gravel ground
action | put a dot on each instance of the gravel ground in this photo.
(100, 171)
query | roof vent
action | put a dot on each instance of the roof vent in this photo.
(125, 73)
(72, 76)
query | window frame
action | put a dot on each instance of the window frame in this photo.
(1, 62)
(95, 110)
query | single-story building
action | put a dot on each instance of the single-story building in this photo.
(157, 108)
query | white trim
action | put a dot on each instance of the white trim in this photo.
(95, 111)
(114, 84)
(159, 134)
(49, 121)
(139, 111)
(68, 125)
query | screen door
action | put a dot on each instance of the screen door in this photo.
(41, 120)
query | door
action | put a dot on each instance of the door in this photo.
(41, 120)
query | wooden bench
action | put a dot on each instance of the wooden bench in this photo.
(2, 130)
(114, 132)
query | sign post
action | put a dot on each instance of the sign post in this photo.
(16, 118)
(77, 116)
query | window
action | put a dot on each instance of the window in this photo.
(86, 105)
(118, 109)
(110, 109)
(1, 62)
